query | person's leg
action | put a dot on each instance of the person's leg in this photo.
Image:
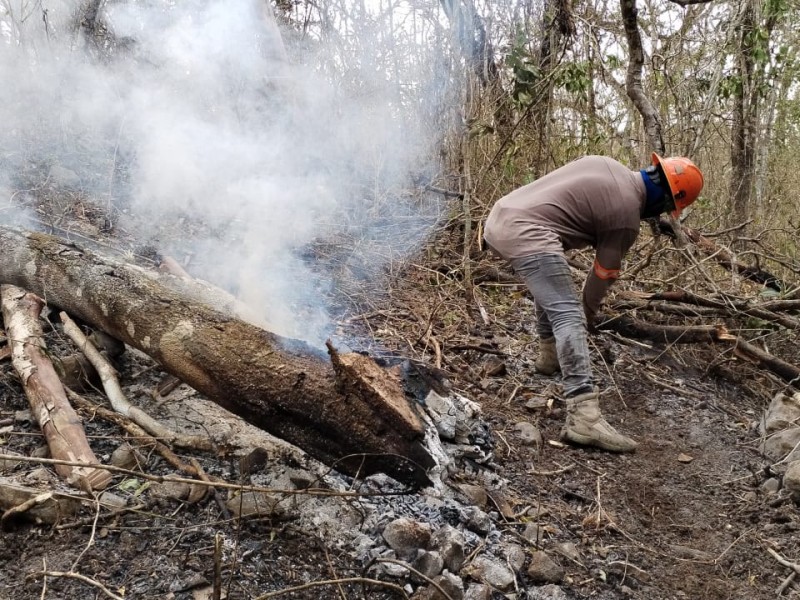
(548, 278)
(560, 314)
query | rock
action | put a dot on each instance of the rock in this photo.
(515, 556)
(23, 416)
(430, 564)
(771, 485)
(112, 501)
(491, 572)
(124, 457)
(547, 592)
(254, 504)
(544, 569)
(41, 452)
(478, 591)
(528, 434)
(406, 536)
(783, 413)
(536, 403)
(40, 475)
(476, 520)
(172, 490)
(533, 533)
(780, 444)
(568, 550)
(476, 494)
(449, 542)
(791, 479)
(452, 585)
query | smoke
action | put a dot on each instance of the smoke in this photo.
(189, 125)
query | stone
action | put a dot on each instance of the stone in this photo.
(547, 592)
(783, 413)
(781, 444)
(491, 572)
(478, 591)
(255, 504)
(476, 494)
(452, 585)
(515, 556)
(172, 490)
(124, 457)
(406, 536)
(543, 569)
(568, 550)
(428, 563)
(476, 520)
(112, 501)
(791, 479)
(449, 542)
(771, 485)
(528, 434)
(533, 533)
(536, 403)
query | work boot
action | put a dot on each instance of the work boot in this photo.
(586, 426)
(547, 361)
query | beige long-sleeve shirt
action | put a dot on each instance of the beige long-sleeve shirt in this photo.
(593, 201)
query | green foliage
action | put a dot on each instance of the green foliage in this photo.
(525, 71)
(574, 77)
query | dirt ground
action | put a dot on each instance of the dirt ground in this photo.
(686, 516)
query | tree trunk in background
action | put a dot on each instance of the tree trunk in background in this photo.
(557, 25)
(745, 115)
(472, 39)
(633, 79)
(282, 386)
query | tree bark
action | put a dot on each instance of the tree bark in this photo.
(282, 386)
(60, 424)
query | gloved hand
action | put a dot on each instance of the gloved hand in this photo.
(591, 319)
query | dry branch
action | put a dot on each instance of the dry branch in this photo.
(51, 409)
(117, 398)
(282, 386)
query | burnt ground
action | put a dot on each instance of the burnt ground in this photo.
(686, 516)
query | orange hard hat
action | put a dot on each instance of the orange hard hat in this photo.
(684, 179)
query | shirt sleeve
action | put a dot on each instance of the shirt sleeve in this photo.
(611, 248)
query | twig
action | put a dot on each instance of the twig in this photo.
(417, 573)
(91, 536)
(79, 577)
(793, 566)
(785, 583)
(326, 582)
(219, 484)
(117, 398)
(550, 473)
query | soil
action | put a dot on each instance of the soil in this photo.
(688, 515)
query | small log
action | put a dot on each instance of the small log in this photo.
(60, 424)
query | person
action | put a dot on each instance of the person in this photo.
(593, 201)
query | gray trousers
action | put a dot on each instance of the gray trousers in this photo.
(559, 314)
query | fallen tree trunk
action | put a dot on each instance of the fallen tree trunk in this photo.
(49, 405)
(282, 386)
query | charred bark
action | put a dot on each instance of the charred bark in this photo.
(282, 386)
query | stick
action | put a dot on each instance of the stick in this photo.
(117, 398)
(79, 577)
(326, 582)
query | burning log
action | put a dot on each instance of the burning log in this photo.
(283, 386)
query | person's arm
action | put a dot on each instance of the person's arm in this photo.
(611, 248)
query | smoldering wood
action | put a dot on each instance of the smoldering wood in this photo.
(50, 407)
(283, 386)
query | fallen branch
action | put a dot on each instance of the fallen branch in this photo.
(79, 577)
(328, 582)
(51, 409)
(672, 334)
(108, 376)
(34, 504)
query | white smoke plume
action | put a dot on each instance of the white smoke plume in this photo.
(199, 135)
